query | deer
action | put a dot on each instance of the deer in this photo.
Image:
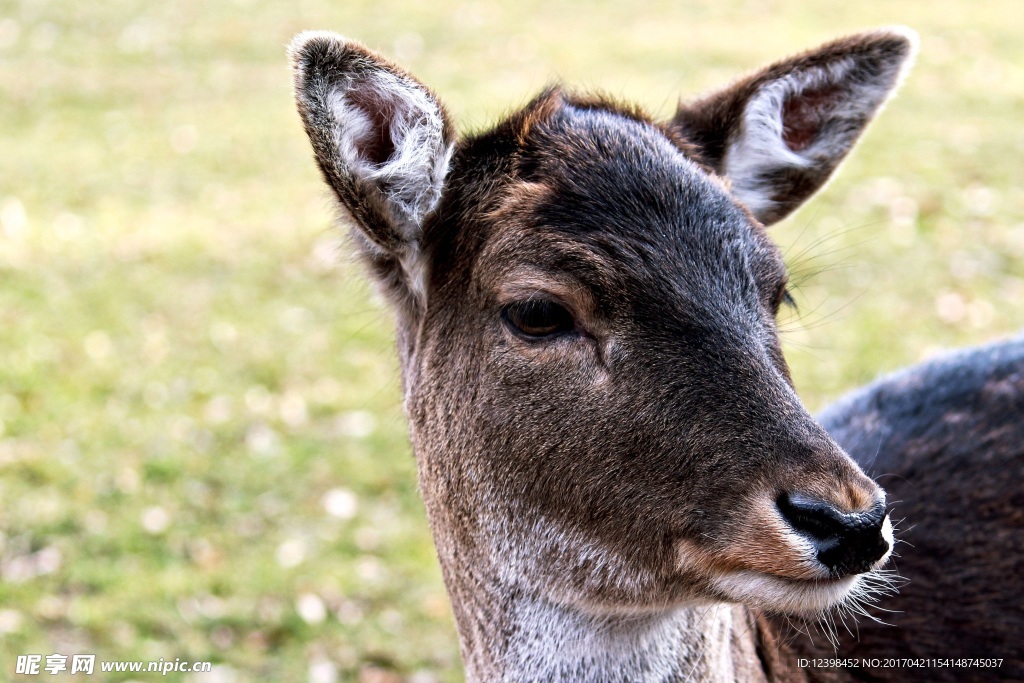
(620, 479)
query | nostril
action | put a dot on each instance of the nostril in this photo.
(811, 516)
(846, 542)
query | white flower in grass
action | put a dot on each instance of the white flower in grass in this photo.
(311, 608)
(357, 424)
(322, 671)
(155, 519)
(291, 553)
(340, 503)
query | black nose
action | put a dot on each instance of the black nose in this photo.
(847, 542)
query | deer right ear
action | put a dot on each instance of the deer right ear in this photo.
(382, 139)
(779, 134)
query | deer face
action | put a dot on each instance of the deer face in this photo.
(586, 300)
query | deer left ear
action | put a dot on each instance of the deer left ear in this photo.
(779, 134)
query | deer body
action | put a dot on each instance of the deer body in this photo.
(614, 462)
(947, 439)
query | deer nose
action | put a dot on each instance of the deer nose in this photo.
(847, 543)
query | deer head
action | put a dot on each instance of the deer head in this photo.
(586, 298)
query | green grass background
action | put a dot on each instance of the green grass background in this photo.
(202, 450)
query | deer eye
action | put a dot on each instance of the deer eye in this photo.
(783, 296)
(538, 318)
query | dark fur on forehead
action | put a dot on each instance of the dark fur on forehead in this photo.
(599, 101)
(608, 177)
(523, 125)
(507, 139)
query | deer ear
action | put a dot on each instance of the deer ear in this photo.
(779, 134)
(382, 139)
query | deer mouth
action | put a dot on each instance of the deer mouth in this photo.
(797, 582)
(798, 555)
(785, 594)
(778, 570)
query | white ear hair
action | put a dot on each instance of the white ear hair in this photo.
(414, 173)
(759, 149)
(804, 115)
(373, 107)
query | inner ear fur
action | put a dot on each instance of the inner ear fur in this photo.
(382, 139)
(780, 133)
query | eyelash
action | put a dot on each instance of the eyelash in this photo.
(787, 299)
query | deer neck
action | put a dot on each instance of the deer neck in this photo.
(510, 633)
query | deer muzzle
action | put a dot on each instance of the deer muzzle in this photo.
(846, 543)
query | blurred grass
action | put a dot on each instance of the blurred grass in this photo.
(202, 452)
